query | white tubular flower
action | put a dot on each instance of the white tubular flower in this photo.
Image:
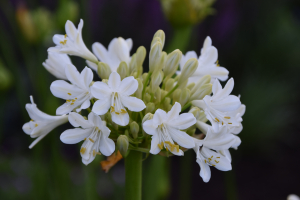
(115, 95)
(207, 63)
(237, 117)
(56, 63)
(76, 94)
(71, 43)
(93, 131)
(41, 123)
(118, 51)
(208, 154)
(219, 106)
(165, 130)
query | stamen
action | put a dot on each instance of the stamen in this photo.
(76, 98)
(91, 140)
(211, 156)
(177, 148)
(98, 153)
(222, 123)
(36, 125)
(167, 149)
(205, 161)
(217, 119)
(229, 123)
(69, 93)
(68, 100)
(213, 165)
(72, 103)
(112, 109)
(159, 146)
(82, 150)
(227, 117)
(73, 100)
(217, 161)
(123, 111)
(32, 120)
(117, 113)
(218, 157)
(94, 152)
(84, 139)
(65, 35)
(217, 63)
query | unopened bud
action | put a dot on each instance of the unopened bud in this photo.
(202, 116)
(183, 84)
(191, 86)
(132, 64)
(195, 111)
(138, 92)
(122, 69)
(167, 102)
(172, 63)
(105, 81)
(169, 84)
(140, 56)
(134, 129)
(103, 70)
(202, 92)
(203, 80)
(191, 132)
(184, 97)
(157, 95)
(144, 77)
(155, 56)
(176, 95)
(161, 35)
(202, 126)
(188, 70)
(150, 107)
(147, 97)
(148, 116)
(163, 93)
(156, 80)
(122, 144)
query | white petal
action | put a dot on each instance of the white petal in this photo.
(226, 90)
(86, 104)
(207, 43)
(129, 43)
(149, 128)
(220, 140)
(101, 106)
(182, 138)
(222, 163)
(64, 90)
(107, 146)
(114, 81)
(77, 120)
(159, 117)
(199, 103)
(120, 119)
(128, 86)
(36, 141)
(73, 75)
(205, 172)
(92, 65)
(174, 112)
(183, 121)
(100, 90)
(133, 103)
(230, 103)
(154, 144)
(26, 128)
(226, 154)
(86, 77)
(67, 107)
(57, 38)
(71, 30)
(73, 136)
(100, 51)
(186, 57)
(217, 87)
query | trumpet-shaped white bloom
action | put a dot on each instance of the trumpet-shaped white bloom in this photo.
(218, 107)
(56, 63)
(118, 50)
(115, 95)
(208, 151)
(207, 63)
(41, 123)
(77, 94)
(237, 117)
(165, 130)
(71, 43)
(94, 133)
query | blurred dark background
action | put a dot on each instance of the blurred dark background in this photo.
(258, 42)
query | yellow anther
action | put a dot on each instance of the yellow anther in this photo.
(169, 143)
(69, 93)
(218, 157)
(177, 148)
(114, 104)
(32, 120)
(68, 100)
(123, 111)
(162, 144)
(229, 123)
(36, 125)
(65, 35)
(159, 146)
(172, 147)
(205, 161)
(209, 159)
(217, 161)
(117, 113)
(167, 149)
(227, 117)
(217, 63)
(217, 120)
(73, 100)
(61, 42)
(213, 165)
(82, 150)
(72, 103)
(98, 153)
(91, 140)
(211, 156)
(76, 98)
(84, 139)
(94, 152)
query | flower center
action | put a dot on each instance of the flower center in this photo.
(64, 41)
(212, 161)
(166, 140)
(116, 105)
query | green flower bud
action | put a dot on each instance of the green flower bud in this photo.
(134, 129)
(167, 102)
(169, 84)
(105, 81)
(161, 35)
(184, 97)
(103, 70)
(172, 63)
(176, 95)
(144, 77)
(183, 84)
(191, 132)
(140, 56)
(156, 80)
(163, 93)
(132, 64)
(155, 56)
(188, 70)
(148, 116)
(138, 92)
(123, 69)
(157, 95)
(122, 144)
(202, 92)
(202, 116)
(150, 107)
(203, 80)
(147, 97)
(190, 86)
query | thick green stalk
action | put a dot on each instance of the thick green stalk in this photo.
(133, 176)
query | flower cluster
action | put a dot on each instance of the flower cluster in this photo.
(163, 111)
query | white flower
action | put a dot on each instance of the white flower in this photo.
(165, 130)
(115, 95)
(293, 197)
(118, 51)
(76, 94)
(218, 107)
(237, 117)
(93, 131)
(56, 63)
(72, 42)
(41, 123)
(207, 63)
(208, 154)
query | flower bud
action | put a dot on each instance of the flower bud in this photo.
(155, 56)
(167, 102)
(134, 129)
(150, 107)
(140, 56)
(188, 70)
(191, 132)
(172, 62)
(147, 97)
(138, 92)
(157, 95)
(144, 77)
(203, 80)
(176, 95)
(183, 84)
(191, 86)
(163, 93)
(156, 80)
(103, 70)
(161, 35)
(169, 84)
(202, 116)
(122, 144)
(202, 92)
(122, 69)
(148, 116)
(195, 111)
(184, 97)
(202, 126)
(132, 64)
(105, 81)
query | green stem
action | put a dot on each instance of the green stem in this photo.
(180, 39)
(169, 93)
(133, 176)
(186, 106)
